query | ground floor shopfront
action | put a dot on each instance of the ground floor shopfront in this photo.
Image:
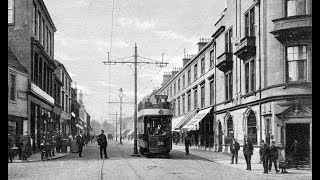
(17, 125)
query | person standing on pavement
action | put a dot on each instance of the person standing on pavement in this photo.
(273, 157)
(103, 143)
(26, 146)
(264, 154)
(282, 161)
(80, 142)
(248, 151)
(10, 145)
(295, 153)
(187, 144)
(234, 148)
(260, 151)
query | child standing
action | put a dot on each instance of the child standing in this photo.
(282, 161)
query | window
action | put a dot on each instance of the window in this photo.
(183, 81)
(178, 105)
(195, 99)
(296, 63)
(228, 85)
(228, 35)
(40, 27)
(230, 133)
(252, 129)
(211, 92)
(40, 73)
(35, 30)
(249, 23)
(47, 43)
(62, 101)
(195, 71)
(202, 96)
(171, 91)
(43, 33)
(45, 77)
(178, 84)
(211, 59)
(174, 88)
(249, 76)
(35, 73)
(202, 66)
(189, 77)
(10, 11)
(12, 87)
(298, 7)
(183, 105)
(189, 101)
(168, 91)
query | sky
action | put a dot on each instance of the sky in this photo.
(85, 35)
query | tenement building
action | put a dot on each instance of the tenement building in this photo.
(252, 80)
(31, 37)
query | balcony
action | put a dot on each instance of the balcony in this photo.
(293, 28)
(224, 61)
(246, 48)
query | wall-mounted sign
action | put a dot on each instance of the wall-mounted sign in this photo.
(22, 95)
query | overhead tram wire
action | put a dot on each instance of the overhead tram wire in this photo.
(198, 27)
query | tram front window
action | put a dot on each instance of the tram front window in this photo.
(158, 126)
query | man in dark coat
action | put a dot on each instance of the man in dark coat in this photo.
(103, 143)
(260, 151)
(80, 142)
(264, 153)
(248, 151)
(187, 144)
(273, 156)
(234, 148)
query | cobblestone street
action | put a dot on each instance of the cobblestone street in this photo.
(122, 165)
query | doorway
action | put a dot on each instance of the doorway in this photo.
(301, 133)
(220, 137)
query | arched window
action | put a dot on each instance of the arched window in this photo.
(230, 131)
(252, 129)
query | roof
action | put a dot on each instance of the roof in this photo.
(14, 62)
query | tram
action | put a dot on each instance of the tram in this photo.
(154, 127)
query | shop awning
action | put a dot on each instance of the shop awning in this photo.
(196, 119)
(186, 119)
(175, 122)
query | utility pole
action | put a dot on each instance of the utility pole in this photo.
(135, 62)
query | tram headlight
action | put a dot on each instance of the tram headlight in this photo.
(160, 143)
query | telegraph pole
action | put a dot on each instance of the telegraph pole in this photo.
(135, 62)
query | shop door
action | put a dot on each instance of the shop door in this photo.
(301, 133)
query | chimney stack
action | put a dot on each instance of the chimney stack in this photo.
(165, 78)
(174, 72)
(187, 58)
(202, 42)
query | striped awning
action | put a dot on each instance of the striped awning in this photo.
(175, 122)
(186, 119)
(191, 125)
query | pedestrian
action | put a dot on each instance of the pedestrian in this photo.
(26, 146)
(283, 164)
(234, 148)
(80, 142)
(103, 143)
(295, 153)
(59, 143)
(264, 154)
(10, 145)
(260, 151)
(187, 144)
(273, 157)
(248, 151)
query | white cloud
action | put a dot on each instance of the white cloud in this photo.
(85, 90)
(62, 56)
(102, 84)
(82, 3)
(121, 44)
(169, 34)
(135, 22)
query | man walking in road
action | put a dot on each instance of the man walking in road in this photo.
(273, 157)
(264, 154)
(187, 144)
(248, 151)
(80, 142)
(234, 148)
(103, 143)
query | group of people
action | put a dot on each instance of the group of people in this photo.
(20, 145)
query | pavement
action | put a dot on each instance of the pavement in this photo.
(225, 159)
(35, 157)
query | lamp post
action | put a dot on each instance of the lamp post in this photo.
(120, 95)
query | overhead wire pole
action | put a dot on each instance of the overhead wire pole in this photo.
(161, 64)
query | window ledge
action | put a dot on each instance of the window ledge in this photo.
(297, 83)
(248, 94)
(227, 101)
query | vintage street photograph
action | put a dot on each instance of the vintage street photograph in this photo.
(159, 89)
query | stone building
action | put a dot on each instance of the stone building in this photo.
(31, 37)
(259, 85)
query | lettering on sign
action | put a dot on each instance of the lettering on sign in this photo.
(22, 94)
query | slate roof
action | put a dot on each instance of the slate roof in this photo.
(14, 62)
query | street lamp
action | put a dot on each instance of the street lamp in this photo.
(120, 95)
